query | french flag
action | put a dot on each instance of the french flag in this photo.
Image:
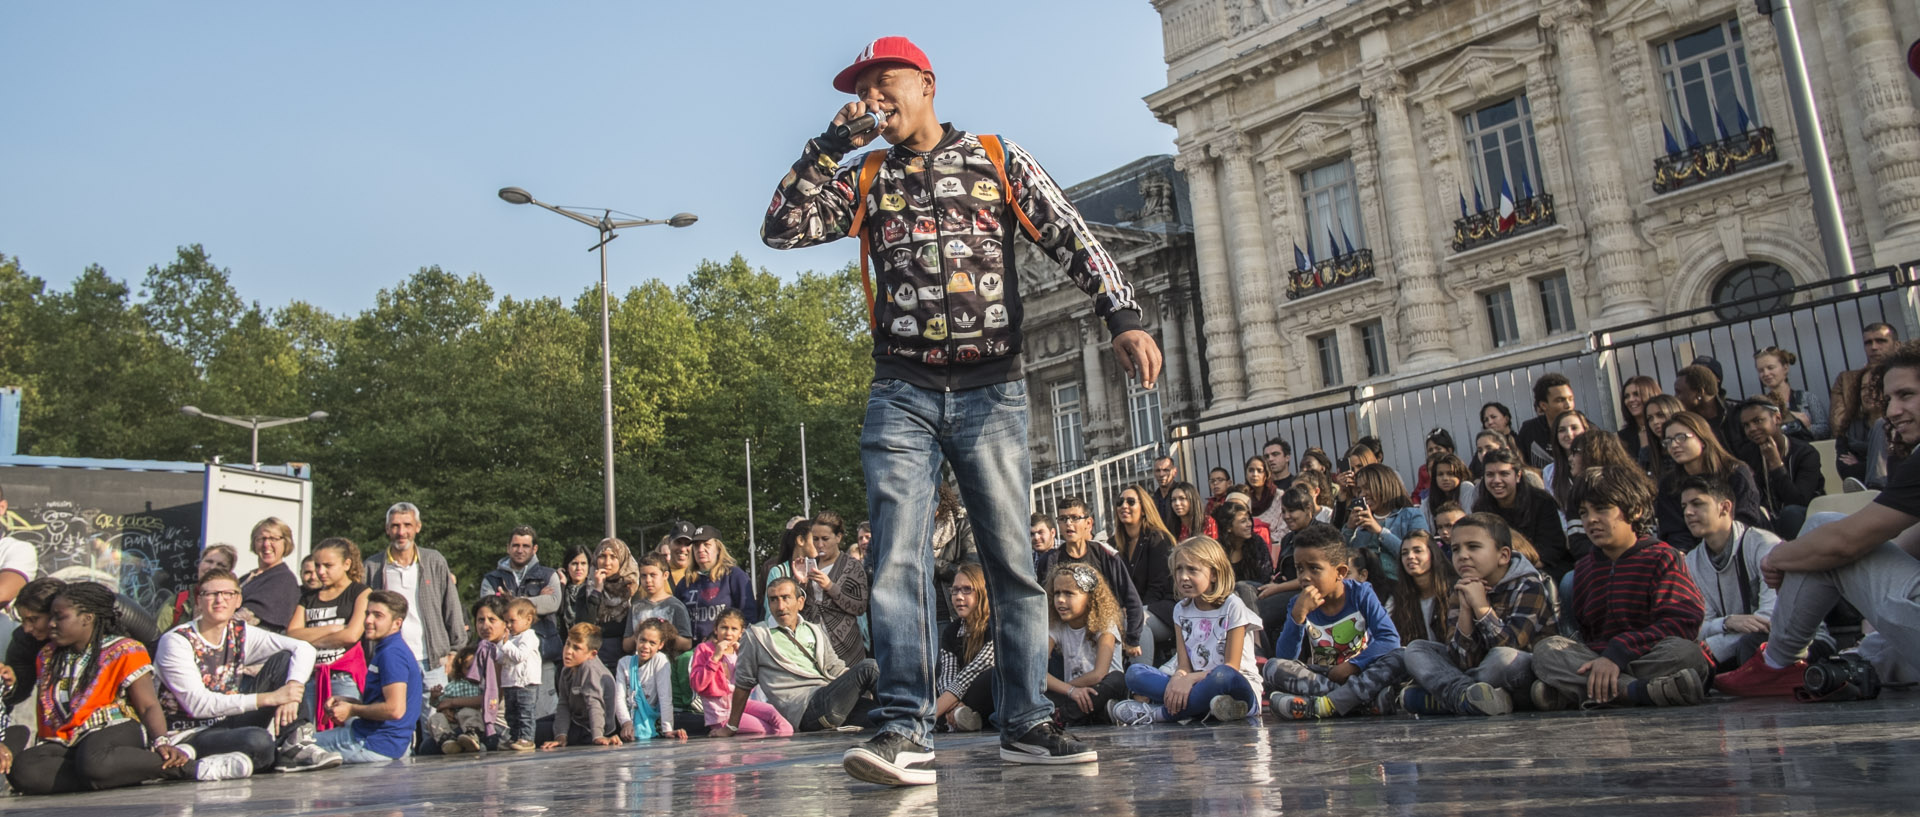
(1507, 217)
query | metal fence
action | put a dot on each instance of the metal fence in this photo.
(1099, 484)
(1823, 332)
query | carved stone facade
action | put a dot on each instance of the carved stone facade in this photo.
(1265, 91)
(1143, 215)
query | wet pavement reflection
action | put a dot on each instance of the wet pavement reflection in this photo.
(1724, 758)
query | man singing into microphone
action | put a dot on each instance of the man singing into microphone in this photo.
(947, 383)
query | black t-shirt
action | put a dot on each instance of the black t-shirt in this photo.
(321, 612)
(1903, 487)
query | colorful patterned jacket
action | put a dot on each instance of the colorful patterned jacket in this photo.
(946, 311)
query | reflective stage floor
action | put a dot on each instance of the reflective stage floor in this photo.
(1724, 758)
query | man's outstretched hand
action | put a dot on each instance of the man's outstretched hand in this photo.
(1139, 356)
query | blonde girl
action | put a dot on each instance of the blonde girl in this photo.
(1214, 634)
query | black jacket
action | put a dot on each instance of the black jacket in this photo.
(1536, 516)
(1748, 506)
(1797, 482)
(946, 300)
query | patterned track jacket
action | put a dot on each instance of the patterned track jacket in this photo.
(946, 300)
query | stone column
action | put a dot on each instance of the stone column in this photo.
(1174, 374)
(1615, 262)
(1227, 373)
(1094, 348)
(1889, 123)
(1252, 276)
(1424, 318)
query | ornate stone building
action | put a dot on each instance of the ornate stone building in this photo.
(1085, 408)
(1387, 189)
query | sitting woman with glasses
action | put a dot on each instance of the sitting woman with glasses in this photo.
(1692, 450)
(272, 589)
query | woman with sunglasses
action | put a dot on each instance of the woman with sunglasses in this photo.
(1144, 544)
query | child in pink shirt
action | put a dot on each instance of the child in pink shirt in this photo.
(712, 677)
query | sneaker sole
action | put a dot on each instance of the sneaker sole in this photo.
(1229, 710)
(1494, 702)
(868, 767)
(1014, 756)
(329, 763)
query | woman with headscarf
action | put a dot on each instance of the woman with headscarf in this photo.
(616, 578)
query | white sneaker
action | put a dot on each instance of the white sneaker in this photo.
(964, 719)
(309, 758)
(228, 766)
(1129, 712)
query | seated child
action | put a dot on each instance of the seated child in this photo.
(645, 679)
(589, 701)
(712, 677)
(1634, 605)
(1084, 630)
(1337, 628)
(520, 673)
(1213, 635)
(458, 723)
(656, 600)
(963, 676)
(1496, 611)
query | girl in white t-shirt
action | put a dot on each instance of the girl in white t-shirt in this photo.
(1213, 633)
(1084, 630)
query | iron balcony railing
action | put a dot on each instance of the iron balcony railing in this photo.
(1480, 229)
(1333, 272)
(1714, 159)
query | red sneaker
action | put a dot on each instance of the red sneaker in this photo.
(1755, 679)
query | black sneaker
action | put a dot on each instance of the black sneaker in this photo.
(1047, 745)
(890, 759)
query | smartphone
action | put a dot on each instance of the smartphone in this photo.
(1359, 503)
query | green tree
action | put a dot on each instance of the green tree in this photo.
(191, 303)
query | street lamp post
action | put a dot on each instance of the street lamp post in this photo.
(607, 225)
(254, 423)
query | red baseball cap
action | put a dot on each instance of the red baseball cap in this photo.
(884, 50)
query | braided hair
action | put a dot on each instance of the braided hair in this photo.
(99, 601)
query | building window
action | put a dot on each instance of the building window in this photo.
(1066, 423)
(1556, 304)
(1329, 347)
(1143, 405)
(1705, 75)
(1373, 344)
(1500, 146)
(1500, 317)
(1752, 281)
(1332, 204)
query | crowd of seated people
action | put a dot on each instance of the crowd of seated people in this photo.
(1563, 565)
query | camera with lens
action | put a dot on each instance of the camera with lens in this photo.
(1842, 677)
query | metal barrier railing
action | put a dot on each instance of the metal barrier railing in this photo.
(1098, 484)
(1824, 333)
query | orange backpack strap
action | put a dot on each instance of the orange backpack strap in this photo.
(869, 168)
(997, 154)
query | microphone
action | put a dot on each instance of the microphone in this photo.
(871, 120)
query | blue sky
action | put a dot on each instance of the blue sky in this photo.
(323, 151)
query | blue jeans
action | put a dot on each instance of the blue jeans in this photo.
(521, 702)
(982, 433)
(1152, 683)
(341, 739)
